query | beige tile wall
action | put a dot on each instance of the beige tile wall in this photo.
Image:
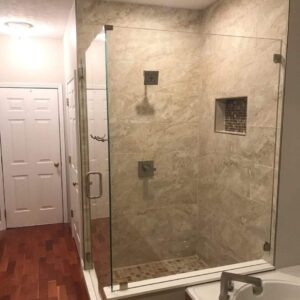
(243, 182)
(154, 219)
(236, 172)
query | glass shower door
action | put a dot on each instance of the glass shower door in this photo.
(193, 130)
(97, 159)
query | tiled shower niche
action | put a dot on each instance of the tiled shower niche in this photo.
(231, 115)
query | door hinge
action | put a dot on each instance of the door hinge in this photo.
(5, 215)
(70, 159)
(72, 213)
(108, 27)
(267, 247)
(88, 257)
(123, 285)
(81, 73)
(277, 58)
(68, 102)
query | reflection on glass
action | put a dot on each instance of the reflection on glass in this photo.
(208, 202)
(98, 156)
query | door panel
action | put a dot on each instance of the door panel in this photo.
(21, 193)
(31, 149)
(18, 175)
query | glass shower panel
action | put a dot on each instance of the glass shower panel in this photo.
(95, 67)
(193, 123)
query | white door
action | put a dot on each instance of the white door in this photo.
(98, 151)
(73, 168)
(29, 126)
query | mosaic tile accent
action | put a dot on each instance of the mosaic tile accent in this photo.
(158, 269)
(236, 115)
(231, 115)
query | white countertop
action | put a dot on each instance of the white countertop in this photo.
(211, 291)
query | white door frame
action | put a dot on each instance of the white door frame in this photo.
(59, 88)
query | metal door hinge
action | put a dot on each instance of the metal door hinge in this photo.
(108, 27)
(123, 286)
(72, 213)
(267, 247)
(277, 58)
(68, 102)
(70, 159)
(80, 73)
(88, 257)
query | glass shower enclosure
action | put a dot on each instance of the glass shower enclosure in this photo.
(182, 137)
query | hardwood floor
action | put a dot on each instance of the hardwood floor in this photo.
(40, 263)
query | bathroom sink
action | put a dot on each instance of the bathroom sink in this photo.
(272, 290)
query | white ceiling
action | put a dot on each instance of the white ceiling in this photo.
(49, 17)
(190, 4)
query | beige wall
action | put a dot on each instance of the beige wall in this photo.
(288, 238)
(95, 65)
(223, 181)
(255, 18)
(92, 15)
(36, 60)
(69, 45)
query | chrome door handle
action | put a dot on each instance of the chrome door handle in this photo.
(88, 192)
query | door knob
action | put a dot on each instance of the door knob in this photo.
(75, 183)
(56, 164)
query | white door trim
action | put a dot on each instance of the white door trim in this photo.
(59, 88)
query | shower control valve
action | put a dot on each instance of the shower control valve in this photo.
(146, 169)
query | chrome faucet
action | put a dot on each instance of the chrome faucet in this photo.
(227, 284)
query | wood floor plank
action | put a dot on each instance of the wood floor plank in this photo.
(39, 263)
